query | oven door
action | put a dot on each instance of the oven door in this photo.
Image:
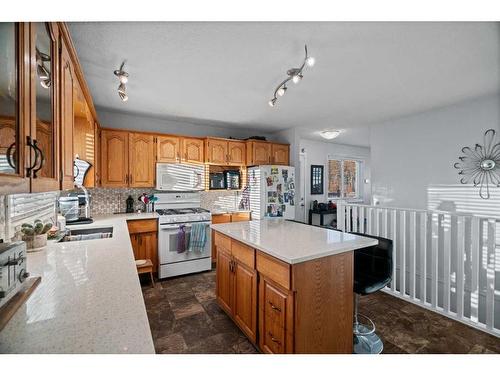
(167, 244)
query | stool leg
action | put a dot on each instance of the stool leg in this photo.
(152, 279)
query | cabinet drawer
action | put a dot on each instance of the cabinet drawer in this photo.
(240, 216)
(273, 302)
(222, 242)
(243, 253)
(142, 226)
(274, 269)
(272, 335)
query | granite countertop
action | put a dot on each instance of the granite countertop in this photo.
(221, 212)
(292, 242)
(89, 299)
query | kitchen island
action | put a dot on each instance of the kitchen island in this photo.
(89, 299)
(288, 286)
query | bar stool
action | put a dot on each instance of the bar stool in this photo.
(372, 272)
(145, 266)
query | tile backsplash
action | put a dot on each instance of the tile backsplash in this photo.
(108, 201)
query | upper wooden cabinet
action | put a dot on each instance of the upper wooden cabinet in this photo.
(168, 148)
(225, 151)
(192, 150)
(114, 158)
(280, 154)
(258, 153)
(141, 160)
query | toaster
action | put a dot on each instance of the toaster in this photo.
(12, 269)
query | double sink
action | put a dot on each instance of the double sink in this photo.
(87, 234)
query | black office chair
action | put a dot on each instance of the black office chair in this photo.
(372, 272)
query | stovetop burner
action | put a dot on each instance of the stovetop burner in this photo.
(181, 211)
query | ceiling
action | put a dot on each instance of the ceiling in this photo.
(225, 73)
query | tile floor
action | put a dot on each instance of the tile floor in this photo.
(185, 318)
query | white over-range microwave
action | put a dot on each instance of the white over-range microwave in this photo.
(180, 177)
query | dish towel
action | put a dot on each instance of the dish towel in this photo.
(198, 238)
(181, 239)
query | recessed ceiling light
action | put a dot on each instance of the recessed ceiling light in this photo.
(330, 134)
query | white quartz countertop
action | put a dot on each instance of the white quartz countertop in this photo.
(292, 242)
(89, 299)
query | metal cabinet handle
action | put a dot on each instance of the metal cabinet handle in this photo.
(274, 307)
(273, 339)
(10, 160)
(29, 142)
(42, 158)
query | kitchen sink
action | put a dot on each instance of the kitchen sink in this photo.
(87, 234)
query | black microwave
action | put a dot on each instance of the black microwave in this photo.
(233, 180)
(217, 180)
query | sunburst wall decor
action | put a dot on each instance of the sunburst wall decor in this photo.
(481, 164)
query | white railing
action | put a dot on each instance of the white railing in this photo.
(446, 262)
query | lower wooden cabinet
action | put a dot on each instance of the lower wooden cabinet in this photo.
(226, 218)
(224, 281)
(144, 239)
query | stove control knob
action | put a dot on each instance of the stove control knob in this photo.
(23, 275)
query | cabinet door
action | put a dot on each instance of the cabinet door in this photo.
(67, 119)
(168, 149)
(245, 299)
(193, 150)
(145, 246)
(97, 154)
(236, 151)
(45, 119)
(275, 318)
(217, 151)
(14, 107)
(224, 282)
(114, 158)
(240, 216)
(260, 153)
(141, 160)
(280, 154)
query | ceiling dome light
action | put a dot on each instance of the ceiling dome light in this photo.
(281, 91)
(330, 134)
(310, 61)
(272, 102)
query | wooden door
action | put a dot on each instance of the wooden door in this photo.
(114, 158)
(168, 149)
(260, 153)
(45, 107)
(224, 281)
(147, 248)
(141, 160)
(236, 151)
(245, 299)
(14, 108)
(217, 151)
(275, 318)
(67, 119)
(280, 154)
(193, 150)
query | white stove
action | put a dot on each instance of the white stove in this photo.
(177, 214)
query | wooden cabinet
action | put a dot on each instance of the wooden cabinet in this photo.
(193, 150)
(225, 151)
(144, 239)
(236, 285)
(226, 218)
(258, 153)
(97, 156)
(67, 118)
(280, 154)
(168, 149)
(305, 307)
(141, 160)
(114, 158)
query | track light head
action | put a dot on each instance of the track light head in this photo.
(272, 102)
(281, 91)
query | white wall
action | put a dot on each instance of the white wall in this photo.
(317, 153)
(412, 158)
(110, 119)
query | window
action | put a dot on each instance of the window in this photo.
(343, 179)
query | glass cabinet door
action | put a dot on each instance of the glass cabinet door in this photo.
(9, 100)
(45, 82)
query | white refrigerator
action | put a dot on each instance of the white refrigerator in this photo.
(272, 191)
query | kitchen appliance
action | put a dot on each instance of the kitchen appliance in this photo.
(272, 191)
(180, 177)
(232, 179)
(69, 208)
(178, 210)
(217, 181)
(12, 269)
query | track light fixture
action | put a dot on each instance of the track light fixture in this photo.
(294, 75)
(123, 78)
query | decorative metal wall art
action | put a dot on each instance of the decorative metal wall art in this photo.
(481, 164)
